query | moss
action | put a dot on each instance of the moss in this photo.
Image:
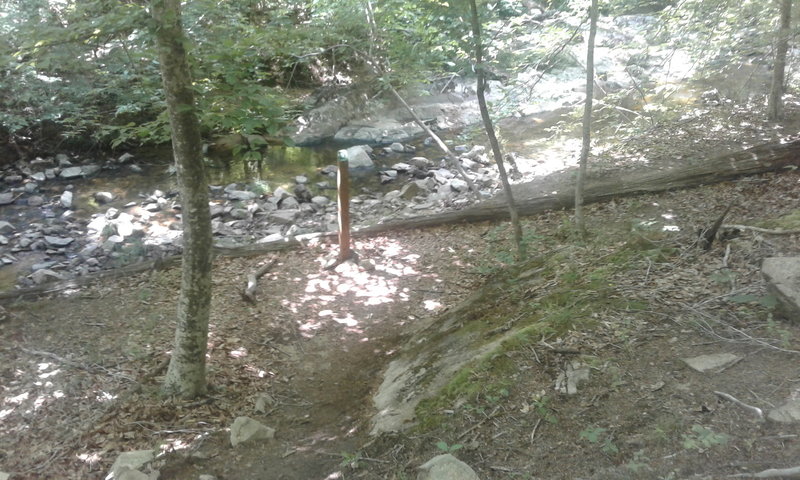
(790, 221)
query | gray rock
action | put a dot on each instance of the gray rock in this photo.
(274, 237)
(135, 168)
(320, 200)
(63, 160)
(66, 199)
(111, 213)
(475, 152)
(58, 241)
(39, 177)
(245, 429)
(4, 476)
(458, 185)
(358, 157)
(217, 210)
(240, 213)
(289, 203)
(202, 477)
(6, 227)
(12, 178)
(783, 280)
(446, 467)
(130, 461)
(388, 176)
(410, 190)
(704, 363)
(397, 147)
(78, 172)
(103, 197)
(402, 167)
(128, 474)
(45, 275)
(4, 240)
(42, 266)
(283, 217)
(35, 201)
(242, 195)
(573, 375)
(789, 412)
(31, 187)
(301, 179)
(125, 158)
(280, 193)
(51, 173)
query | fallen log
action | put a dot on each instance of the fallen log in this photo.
(548, 193)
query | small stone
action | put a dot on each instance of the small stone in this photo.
(135, 168)
(4, 240)
(6, 227)
(446, 467)
(31, 187)
(35, 201)
(45, 275)
(103, 197)
(39, 177)
(63, 160)
(289, 203)
(242, 195)
(125, 158)
(410, 190)
(786, 413)
(12, 178)
(274, 237)
(460, 148)
(458, 185)
(6, 198)
(320, 200)
(301, 179)
(245, 429)
(66, 199)
(402, 167)
(397, 147)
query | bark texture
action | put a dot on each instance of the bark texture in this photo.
(489, 127)
(580, 221)
(186, 375)
(775, 105)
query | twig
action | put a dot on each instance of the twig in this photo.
(756, 410)
(535, 428)
(762, 230)
(793, 472)
(249, 293)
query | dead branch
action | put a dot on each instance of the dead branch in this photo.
(793, 472)
(709, 235)
(756, 410)
(249, 293)
(762, 230)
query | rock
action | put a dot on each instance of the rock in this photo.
(45, 275)
(283, 217)
(50, 173)
(12, 178)
(66, 199)
(4, 240)
(130, 461)
(135, 168)
(320, 200)
(245, 429)
(242, 195)
(4, 476)
(39, 177)
(78, 172)
(475, 152)
(458, 185)
(402, 167)
(397, 147)
(410, 190)
(280, 193)
(125, 158)
(789, 412)
(63, 160)
(783, 280)
(460, 148)
(574, 374)
(124, 224)
(58, 241)
(103, 197)
(704, 363)
(42, 266)
(217, 210)
(35, 201)
(301, 179)
(358, 157)
(6, 227)
(240, 213)
(206, 477)
(446, 467)
(289, 203)
(301, 193)
(274, 237)
(388, 176)
(31, 187)
(111, 213)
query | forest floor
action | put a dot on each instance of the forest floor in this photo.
(80, 371)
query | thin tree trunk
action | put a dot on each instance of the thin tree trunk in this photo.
(580, 221)
(186, 375)
(487, 123)
(775, 105)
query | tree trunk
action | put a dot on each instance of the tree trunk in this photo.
(186, 375)
(487, 123)
(580, 221)
(775, 106)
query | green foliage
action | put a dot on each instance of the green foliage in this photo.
(445, 448)
(702, 438)
(601, 437)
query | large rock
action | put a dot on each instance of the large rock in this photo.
(6, 198)
(358, 157)
(245, 429)
(78, 172)
(704, 363)
(783, 280)
(789, 412)
(130, 461)
(446, 467)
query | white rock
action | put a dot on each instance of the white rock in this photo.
(4, 476)
(103, 197)
(458, 185)
(320, 200)
(242, 195)
(704, 363)
(128, 461)
(274, 237)
(39, 176)
(66, 199)
(358, 157)
(245, 429)
(446, 467)
(58, 241)
(397, 147)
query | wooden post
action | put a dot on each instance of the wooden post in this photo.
(343, 186)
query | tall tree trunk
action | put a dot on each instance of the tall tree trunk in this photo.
(580, 221)
(186, 375)
(775, 106)
(487, 123)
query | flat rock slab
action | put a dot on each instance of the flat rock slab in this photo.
(789, 412)
(704, 363)
(245, 429)
(131, 461)
(783, 280)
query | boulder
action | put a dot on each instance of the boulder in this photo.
(66, 199)
(446, 467)
(130, 461)
(358, 157)
(245, 429)
(78, 172)
(103, 197)
(783, 280)
(789, 412)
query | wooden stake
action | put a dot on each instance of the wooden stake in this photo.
(343, 186)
